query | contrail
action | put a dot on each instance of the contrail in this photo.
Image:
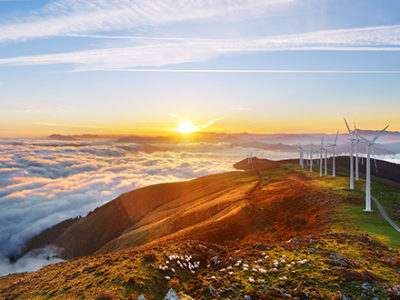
(256, 71)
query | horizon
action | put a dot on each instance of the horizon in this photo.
(172, 132)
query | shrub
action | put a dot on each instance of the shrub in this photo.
(149, 256)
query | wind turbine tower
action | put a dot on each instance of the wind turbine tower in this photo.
(320, 157)
(352, 139)
(301, 161)
(369, 145)
(357, 141)
(334, 155)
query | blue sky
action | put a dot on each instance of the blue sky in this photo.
(74, 66)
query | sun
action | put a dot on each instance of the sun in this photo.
(186, 127)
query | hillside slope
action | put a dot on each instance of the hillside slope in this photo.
(214, 208)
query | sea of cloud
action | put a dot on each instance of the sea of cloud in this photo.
(43, 182)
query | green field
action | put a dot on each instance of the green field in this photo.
(352, 203)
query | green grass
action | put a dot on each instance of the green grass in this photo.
(352, 203)
(386, 195)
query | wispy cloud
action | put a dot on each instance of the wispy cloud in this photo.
(65, 17)
(159, 53)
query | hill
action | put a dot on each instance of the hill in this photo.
(271, 232)
(213, 208)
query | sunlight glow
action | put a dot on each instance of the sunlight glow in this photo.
(186, 127)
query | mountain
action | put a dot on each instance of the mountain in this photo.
(272, 231)
(145, 148)
(213, 208)
(208, 137)
(61, 137)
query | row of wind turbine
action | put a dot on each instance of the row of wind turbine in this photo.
(323, 150)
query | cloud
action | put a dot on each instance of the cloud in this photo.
(66, 17)
(32, 261)
(41, 185)
(158, 53)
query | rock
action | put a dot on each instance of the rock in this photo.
(366, 286)
(141, 297)
(212, 290)
(215, 260)
(247, 297)
(171, 295)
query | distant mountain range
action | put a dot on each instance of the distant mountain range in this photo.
(388, 143)
(218, 137)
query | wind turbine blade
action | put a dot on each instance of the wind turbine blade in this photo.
(347, 125)
(379, 134)
(337, 133)
(364, 139)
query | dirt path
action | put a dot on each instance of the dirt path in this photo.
(383, 212)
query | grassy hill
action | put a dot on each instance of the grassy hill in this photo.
(276, 233)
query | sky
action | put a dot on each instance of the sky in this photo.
(141, 67)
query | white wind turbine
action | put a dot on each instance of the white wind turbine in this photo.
(311, 158)
(368, 145)
(320, 157)
(301, 161)
(249, 157)
(326, 161)
(334, 155)
(307, 159)
(352, 139)
(357, 141)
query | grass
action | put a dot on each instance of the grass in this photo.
(352, 203)
(386, 195)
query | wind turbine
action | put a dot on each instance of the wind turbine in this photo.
(311, 158)
(320, 157)
(326, 161)
(301, 162)
(357, 141)
(249, 157)
(307, 159)
(334, 154)
(352, 139)
(368, 145)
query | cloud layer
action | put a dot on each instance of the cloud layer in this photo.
(43, 183)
